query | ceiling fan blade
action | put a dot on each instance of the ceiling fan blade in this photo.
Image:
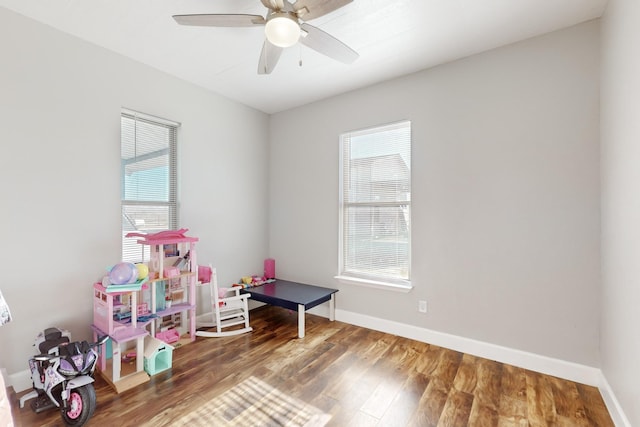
(312, 9)
(326, 44)
(273, 4)
(268, 57)
(220, 20)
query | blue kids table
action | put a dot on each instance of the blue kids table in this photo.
(294, 296)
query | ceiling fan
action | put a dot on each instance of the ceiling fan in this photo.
(283, 28)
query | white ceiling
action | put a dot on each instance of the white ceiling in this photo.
(393, 38)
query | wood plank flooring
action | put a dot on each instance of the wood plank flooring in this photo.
(359, 376)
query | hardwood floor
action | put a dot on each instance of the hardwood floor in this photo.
(359, 376)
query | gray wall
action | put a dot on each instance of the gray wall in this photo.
(620, 136)
(60, 101)
(505, 194)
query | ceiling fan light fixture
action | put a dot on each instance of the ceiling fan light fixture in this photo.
(282, 29)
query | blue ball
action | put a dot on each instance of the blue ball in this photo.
(122, 273)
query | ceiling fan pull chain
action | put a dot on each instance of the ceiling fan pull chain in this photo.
(300, 60)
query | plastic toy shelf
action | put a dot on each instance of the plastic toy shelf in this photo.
(122, 377)
(175, 308)
(164, 279)
(172, 272)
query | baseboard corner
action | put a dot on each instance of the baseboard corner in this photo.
(611, 401)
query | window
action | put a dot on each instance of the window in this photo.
(375, 205)
(148, 179)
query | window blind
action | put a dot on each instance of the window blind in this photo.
(148, 179)
(375, 205)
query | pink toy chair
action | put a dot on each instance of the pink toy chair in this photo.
(228, 307)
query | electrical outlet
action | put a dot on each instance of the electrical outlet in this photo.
(422, 306)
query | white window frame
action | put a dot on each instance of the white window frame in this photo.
(168, 207)
(345, 273)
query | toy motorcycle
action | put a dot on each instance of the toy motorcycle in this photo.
(62, 376)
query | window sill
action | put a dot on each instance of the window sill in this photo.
(374, 284)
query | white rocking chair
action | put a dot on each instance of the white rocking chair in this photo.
(229, 308)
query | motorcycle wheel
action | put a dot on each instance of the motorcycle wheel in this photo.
(81, 405)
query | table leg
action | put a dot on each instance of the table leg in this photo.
(332, 307)
(300, 321)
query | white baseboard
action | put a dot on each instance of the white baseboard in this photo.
(535, 362)
(21, 381)
(568, 370)
(615, 410)
(559, 368)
